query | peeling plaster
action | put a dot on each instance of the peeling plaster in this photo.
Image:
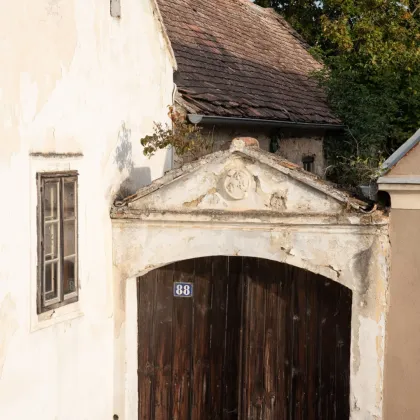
(198, 200)
(366, 371)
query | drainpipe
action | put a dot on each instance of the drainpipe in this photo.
(174, 92)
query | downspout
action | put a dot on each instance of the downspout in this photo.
(174, 92)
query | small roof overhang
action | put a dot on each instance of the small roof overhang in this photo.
(402, 151)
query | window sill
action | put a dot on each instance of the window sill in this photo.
(56, 316)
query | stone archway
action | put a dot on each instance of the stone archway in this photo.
(285, 215)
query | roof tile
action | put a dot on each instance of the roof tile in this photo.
(237, 59)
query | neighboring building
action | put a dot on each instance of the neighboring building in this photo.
(243, 71)
(401, 179)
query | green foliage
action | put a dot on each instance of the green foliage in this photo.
(371, 49)
(303, 15)
(186, 139)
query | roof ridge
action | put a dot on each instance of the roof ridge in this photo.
(251, 4)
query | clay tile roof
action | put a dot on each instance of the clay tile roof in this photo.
(236, 59)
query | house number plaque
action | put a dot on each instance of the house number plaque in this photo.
(185, 290)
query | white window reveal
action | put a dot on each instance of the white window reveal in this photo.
(57, 240)
(115, 8)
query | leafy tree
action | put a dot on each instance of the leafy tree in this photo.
(303, 15)
(371, 49)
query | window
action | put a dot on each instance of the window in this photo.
(57, 240)
(115, 8)
(308, 163)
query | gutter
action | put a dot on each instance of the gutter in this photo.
(213, 119)
(399, 180)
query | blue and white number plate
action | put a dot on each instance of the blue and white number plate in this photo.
(183, 289)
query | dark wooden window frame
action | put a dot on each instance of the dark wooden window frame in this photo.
(308, 163)
(61, 177)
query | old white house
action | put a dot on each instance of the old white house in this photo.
(239, 285)
(79, 88)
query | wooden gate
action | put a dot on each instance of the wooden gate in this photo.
(259, 340)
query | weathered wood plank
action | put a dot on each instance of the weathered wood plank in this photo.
(343, 353)
(163, 336)
(245, 402)
(201, 334)
(290, 291)
(300, 350)
(283, 310)
(146, 287)
(231, 371)
(218, 336)
(328, 300)
(244, 334)
(255, 363)
(182, 346)
(312, 331)
(272, 402)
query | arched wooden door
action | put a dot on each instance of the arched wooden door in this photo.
(257, 340)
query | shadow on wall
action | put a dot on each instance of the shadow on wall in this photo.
(362, 264)
(137, 177)
(124, 151)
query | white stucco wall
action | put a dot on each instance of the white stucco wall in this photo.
(74, 81)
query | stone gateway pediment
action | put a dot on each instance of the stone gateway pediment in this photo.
(241, 179)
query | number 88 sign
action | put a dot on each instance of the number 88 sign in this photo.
(183, 289)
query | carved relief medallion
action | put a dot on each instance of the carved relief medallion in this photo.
(237, 183)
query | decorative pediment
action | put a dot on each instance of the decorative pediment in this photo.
(241, 179)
